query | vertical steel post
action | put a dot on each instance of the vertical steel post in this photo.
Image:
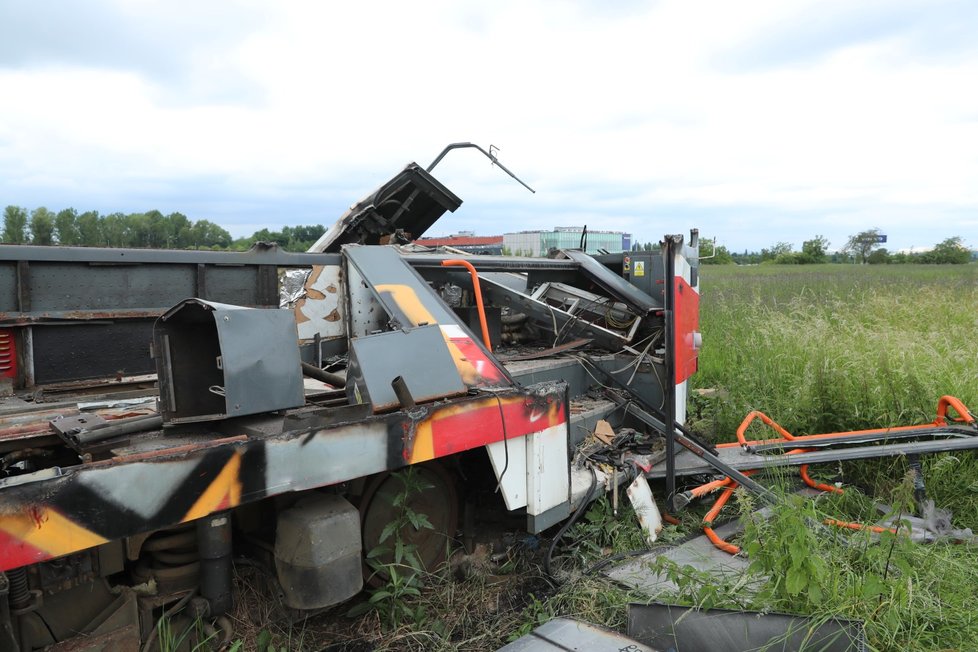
(214, 545)
(669, 386)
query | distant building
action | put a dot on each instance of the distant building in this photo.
(467, 241)
(538, 243)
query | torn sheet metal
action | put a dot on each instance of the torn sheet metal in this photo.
(399, 211)
(292, 287)
(320, 308)
(560, 322)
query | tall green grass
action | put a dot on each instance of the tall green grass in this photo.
(833, 347)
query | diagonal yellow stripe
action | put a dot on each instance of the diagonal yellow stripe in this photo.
(424, 445)
(226, 484)
(49, 531)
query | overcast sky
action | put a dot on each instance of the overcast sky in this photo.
(755, 121)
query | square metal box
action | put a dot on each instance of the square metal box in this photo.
(217, 361)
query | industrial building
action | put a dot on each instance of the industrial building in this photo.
(538, 243)
(467, 241)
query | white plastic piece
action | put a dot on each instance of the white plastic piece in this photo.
(646, 510)
(511, 456)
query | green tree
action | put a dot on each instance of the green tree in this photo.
(779, 249)
(948, 252)
(862, 244)
(42, 226)
(89, 229)
(66, 227)
(208, 234)
(15, 225)
(179, 229)
(816, 249)
(879, 257)
(114, 230)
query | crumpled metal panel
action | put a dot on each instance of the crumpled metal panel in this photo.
(292, 287)
(217, 360)
(407, 206)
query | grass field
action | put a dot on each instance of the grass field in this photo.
(831, 347)
(827, 348)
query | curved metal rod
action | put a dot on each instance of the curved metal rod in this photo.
(490, 156)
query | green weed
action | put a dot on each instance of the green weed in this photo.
(396, 561)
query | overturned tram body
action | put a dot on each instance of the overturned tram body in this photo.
(168, 412)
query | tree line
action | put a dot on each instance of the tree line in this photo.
(864, 247)
(151, 229)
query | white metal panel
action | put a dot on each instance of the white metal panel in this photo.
(547, 469)
(513, 481)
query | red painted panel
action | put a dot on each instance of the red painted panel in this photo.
(17, 553)
(466, 430)
(687, 323)
(488, 370)
(8, 353)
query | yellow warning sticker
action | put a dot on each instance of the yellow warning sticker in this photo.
(639, 268)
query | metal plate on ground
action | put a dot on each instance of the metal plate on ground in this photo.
(563, 634)
(685, 629)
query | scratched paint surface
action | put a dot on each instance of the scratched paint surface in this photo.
(103, 501)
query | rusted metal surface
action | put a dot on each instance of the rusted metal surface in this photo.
(546, 353)
(179, 483)
(43, 317)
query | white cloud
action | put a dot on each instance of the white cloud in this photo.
(756, 121)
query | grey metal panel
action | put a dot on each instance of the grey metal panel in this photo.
(8, 286)
(272, 255)
(382, 266)
(216, 360)
(419, 356)
(233, 285)
(70, 286)
(83, 351)
(406, 296)
(671, 627)
(570, 371)
(536, 523)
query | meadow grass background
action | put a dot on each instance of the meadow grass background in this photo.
(826, 348)
(822, 348)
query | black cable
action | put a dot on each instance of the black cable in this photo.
(502, 418)
(567, 525)
(607, 561)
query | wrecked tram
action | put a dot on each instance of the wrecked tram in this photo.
(169, 413)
